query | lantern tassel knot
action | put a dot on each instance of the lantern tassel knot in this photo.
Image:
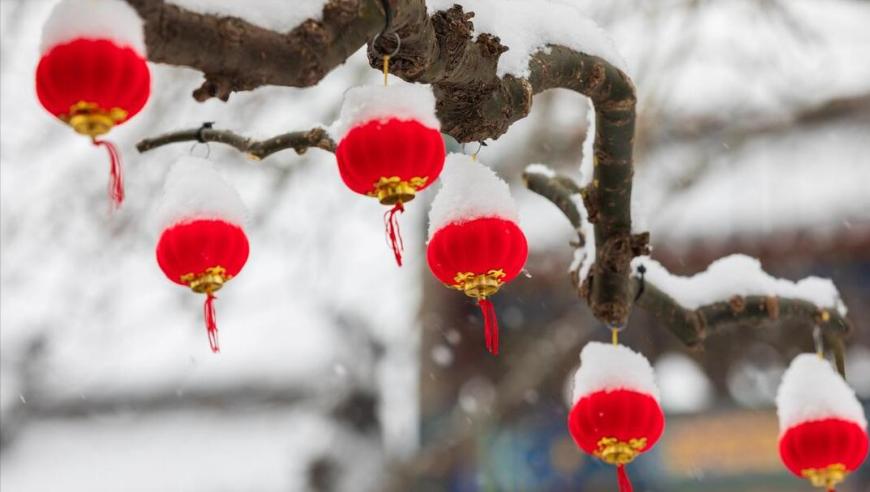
(394, 236)
(490, 325)
(116, 176)
(211, 322)
(622, 479)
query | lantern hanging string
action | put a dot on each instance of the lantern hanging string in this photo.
(393, 234)
(388, 19)
(490, 325)
(116, 174)
(622, 479)
(614, 333)
(819, 342)
(211, 322)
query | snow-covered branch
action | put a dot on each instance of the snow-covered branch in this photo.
(237, 53)
(258, 149)
(732, 291)
(735, 291)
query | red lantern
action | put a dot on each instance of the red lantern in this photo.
(202, 247)
(823, 428)
(616, 415)
(823, 451)
(479, 249)
(390, 147)
(92, 74)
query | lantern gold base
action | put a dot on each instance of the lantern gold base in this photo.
(827, 477)
(479, 286)
(615, 452)
(390, 191)
(89, 119)
(207, 282)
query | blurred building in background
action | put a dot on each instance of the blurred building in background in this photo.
(753, 124)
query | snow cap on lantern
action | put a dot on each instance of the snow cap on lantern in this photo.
(202, 244)
(389, 146)
(608, 367)
(475, 244)
(195, 190)
(616, 414)
(389, 141)
(823, 429)
(93, 19)
(92, 73)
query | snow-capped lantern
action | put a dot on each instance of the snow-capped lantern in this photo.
(616, 414)
(823, 430)
(475, 244)
(389, 147)
(92, 74)
(202, 245)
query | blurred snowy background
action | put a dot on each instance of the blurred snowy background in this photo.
(753, 126)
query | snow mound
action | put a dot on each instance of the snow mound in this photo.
(542, 169)
(194, 190)
(608, 367)
(469, 190)
(737, 275)
(275, 15)
(528, 27)
(400, 100)
(812, 390)
(93, 19)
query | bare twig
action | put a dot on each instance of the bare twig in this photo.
(258, 149)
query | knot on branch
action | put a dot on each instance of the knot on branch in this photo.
(478, 111)
(640, 244)
(771, 305)
(590, 201)
(737, 304)
(219, 86)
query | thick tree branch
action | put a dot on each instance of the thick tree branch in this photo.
(235, 55)
(257, 149)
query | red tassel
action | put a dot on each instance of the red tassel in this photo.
(211, 323)
(490, 325)
(116, 180)
(391, 224)
(622, 479)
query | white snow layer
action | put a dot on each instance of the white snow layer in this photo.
(583, 257)
(469, 190)
(93, 19)
(587, 160)
(528, 27)
(275, 15)
(399, 100)
(812, 390)
(195, 190)
(737, 275)
(608, 367)
(541, 169)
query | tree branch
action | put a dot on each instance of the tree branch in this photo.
(235, 55)
(692, 326)
(257, 149)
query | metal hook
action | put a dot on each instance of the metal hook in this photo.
(480, 144)
(386, 55)
(207, 149)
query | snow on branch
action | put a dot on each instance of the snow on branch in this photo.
(736, 291)
(738, 275)
(256, 149)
